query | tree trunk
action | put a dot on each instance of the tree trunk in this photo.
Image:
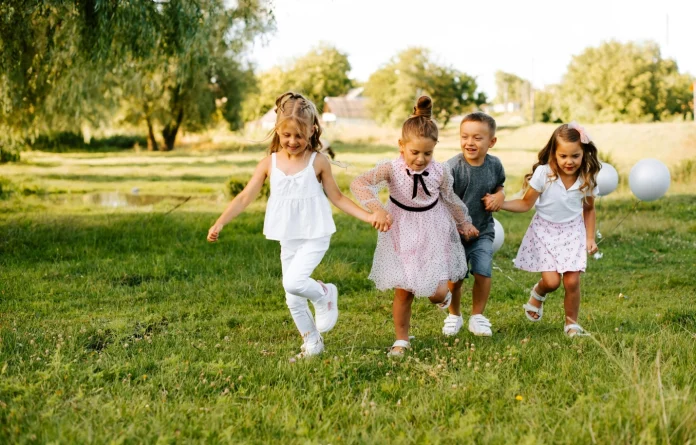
(151, 141)
(170, 130)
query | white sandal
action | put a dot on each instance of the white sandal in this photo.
(403, 344)
(530, 308)
(444, 306)
(579, 331)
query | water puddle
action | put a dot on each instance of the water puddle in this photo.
(120, 199)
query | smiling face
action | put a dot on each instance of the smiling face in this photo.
(475, 139)
(568, 157)
(293, 138)
(417, 152)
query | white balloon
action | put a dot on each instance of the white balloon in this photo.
(649, 179)
(607, 179)
(499, 235)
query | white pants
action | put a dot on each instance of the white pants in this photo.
(299, 258)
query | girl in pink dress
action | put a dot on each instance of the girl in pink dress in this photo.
(562, 186)
(422, 251)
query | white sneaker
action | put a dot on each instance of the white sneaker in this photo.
(480, 326)
(453, 323)
(326, 310)
(310, 349)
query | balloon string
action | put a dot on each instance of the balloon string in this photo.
(620, 221)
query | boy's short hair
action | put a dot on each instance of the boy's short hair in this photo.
(480, 116)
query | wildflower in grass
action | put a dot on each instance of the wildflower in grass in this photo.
(519, 398)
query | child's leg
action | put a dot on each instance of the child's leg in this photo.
(440, 293)
(480, 293)
(456, 289)
(300, 265)
(550, 281)
(479, 253)
(571, 283)
(299, 259)
(401, 311)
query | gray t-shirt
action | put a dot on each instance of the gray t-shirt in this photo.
(471, 183)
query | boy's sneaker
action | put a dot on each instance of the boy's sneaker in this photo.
(480, 326)
(311, 348)
(453, 323)
(326, 310)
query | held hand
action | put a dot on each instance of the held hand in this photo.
(214, 232)
(381, 220)
(592, 246)
(493, 203)
(468, 231)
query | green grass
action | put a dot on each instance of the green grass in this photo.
(126, 326)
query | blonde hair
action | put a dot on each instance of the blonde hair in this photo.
(295, 107)
(420, 124)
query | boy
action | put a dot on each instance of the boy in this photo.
(478, 180)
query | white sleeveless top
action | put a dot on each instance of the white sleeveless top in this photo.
(297, 207)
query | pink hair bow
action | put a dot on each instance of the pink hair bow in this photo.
(584, 136)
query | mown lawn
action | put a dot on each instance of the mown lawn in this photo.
(123, 325)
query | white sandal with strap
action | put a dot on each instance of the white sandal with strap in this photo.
(530, 308)
(403, 344)
(579, 331)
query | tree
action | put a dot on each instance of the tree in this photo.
(322, 72)
(623, 82)
(169, 60)
(394, 88)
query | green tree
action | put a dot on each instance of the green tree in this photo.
(623, 82)
(322, 72)
(172, 63)
(394, 88)
(511, 88)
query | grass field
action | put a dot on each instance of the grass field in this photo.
(121, 324)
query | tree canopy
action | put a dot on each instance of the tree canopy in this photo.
(394, 88)
(323, 71)
(167, 63)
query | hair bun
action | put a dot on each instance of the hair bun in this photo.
(424, 107)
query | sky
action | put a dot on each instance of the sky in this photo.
(534, 39)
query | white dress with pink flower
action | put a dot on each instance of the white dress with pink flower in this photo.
(422, 249)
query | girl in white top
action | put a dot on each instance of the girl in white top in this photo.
(298, 214)
(563, 185)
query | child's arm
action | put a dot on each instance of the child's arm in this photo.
(590, 216)
(456, 207)
(242, 200)
(366, 186)
(524, 204)
(380, 222)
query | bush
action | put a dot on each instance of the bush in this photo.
(235, 185)
(69, 141)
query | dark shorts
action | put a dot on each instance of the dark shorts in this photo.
(479, 256)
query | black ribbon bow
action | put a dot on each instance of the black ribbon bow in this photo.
(418, 177)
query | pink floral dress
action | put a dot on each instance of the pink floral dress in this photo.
(422, 248)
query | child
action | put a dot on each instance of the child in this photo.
(563, 185)
(422, 251)
(479, 179)
(298, 214)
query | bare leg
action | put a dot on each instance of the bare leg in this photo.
(456, 289)
(550, 281)
(401, 311)
(480, 293)
(440, 294)
(571, 283)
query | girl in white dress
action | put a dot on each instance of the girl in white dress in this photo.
(298, 214)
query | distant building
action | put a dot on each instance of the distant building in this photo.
(350, 109)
